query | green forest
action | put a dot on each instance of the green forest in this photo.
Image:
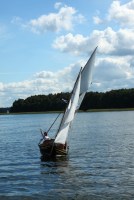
(122, 98)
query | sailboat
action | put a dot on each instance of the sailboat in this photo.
(59, 146)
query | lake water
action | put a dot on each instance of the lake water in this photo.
(100, 163)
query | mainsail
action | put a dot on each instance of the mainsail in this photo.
(86, 77)
(80, 88)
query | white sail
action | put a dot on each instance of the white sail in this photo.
(80, 88)
(69, 113)
(86, 77)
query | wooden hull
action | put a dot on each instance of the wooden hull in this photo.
(49, 149)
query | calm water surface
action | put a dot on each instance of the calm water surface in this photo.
(100, 163)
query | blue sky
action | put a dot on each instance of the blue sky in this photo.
(44, 43)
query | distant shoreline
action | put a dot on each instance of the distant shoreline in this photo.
(90, 110)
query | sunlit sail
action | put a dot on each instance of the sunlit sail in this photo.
(86, 77)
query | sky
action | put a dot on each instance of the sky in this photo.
(43, 44)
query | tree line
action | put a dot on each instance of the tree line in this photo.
(122, 98)
(4, 110)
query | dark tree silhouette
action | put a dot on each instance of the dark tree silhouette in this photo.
(123, 98)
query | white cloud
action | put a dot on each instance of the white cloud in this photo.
(113, 73)
(44, 82)
(97, 20)
(58, 5)
(64, 19)
(78, 44)
(119, 42)
(124, 14)
(69, 43)
(54, 22)
(110, 68)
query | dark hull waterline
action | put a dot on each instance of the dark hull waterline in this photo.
(49, 149)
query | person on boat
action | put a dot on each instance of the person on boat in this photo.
(46, 137)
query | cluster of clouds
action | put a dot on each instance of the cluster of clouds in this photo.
(123, 14)
(114, 67)
(43, 82)
(110, 42)
(63, 20)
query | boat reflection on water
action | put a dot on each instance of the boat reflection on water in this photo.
(57, 165)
